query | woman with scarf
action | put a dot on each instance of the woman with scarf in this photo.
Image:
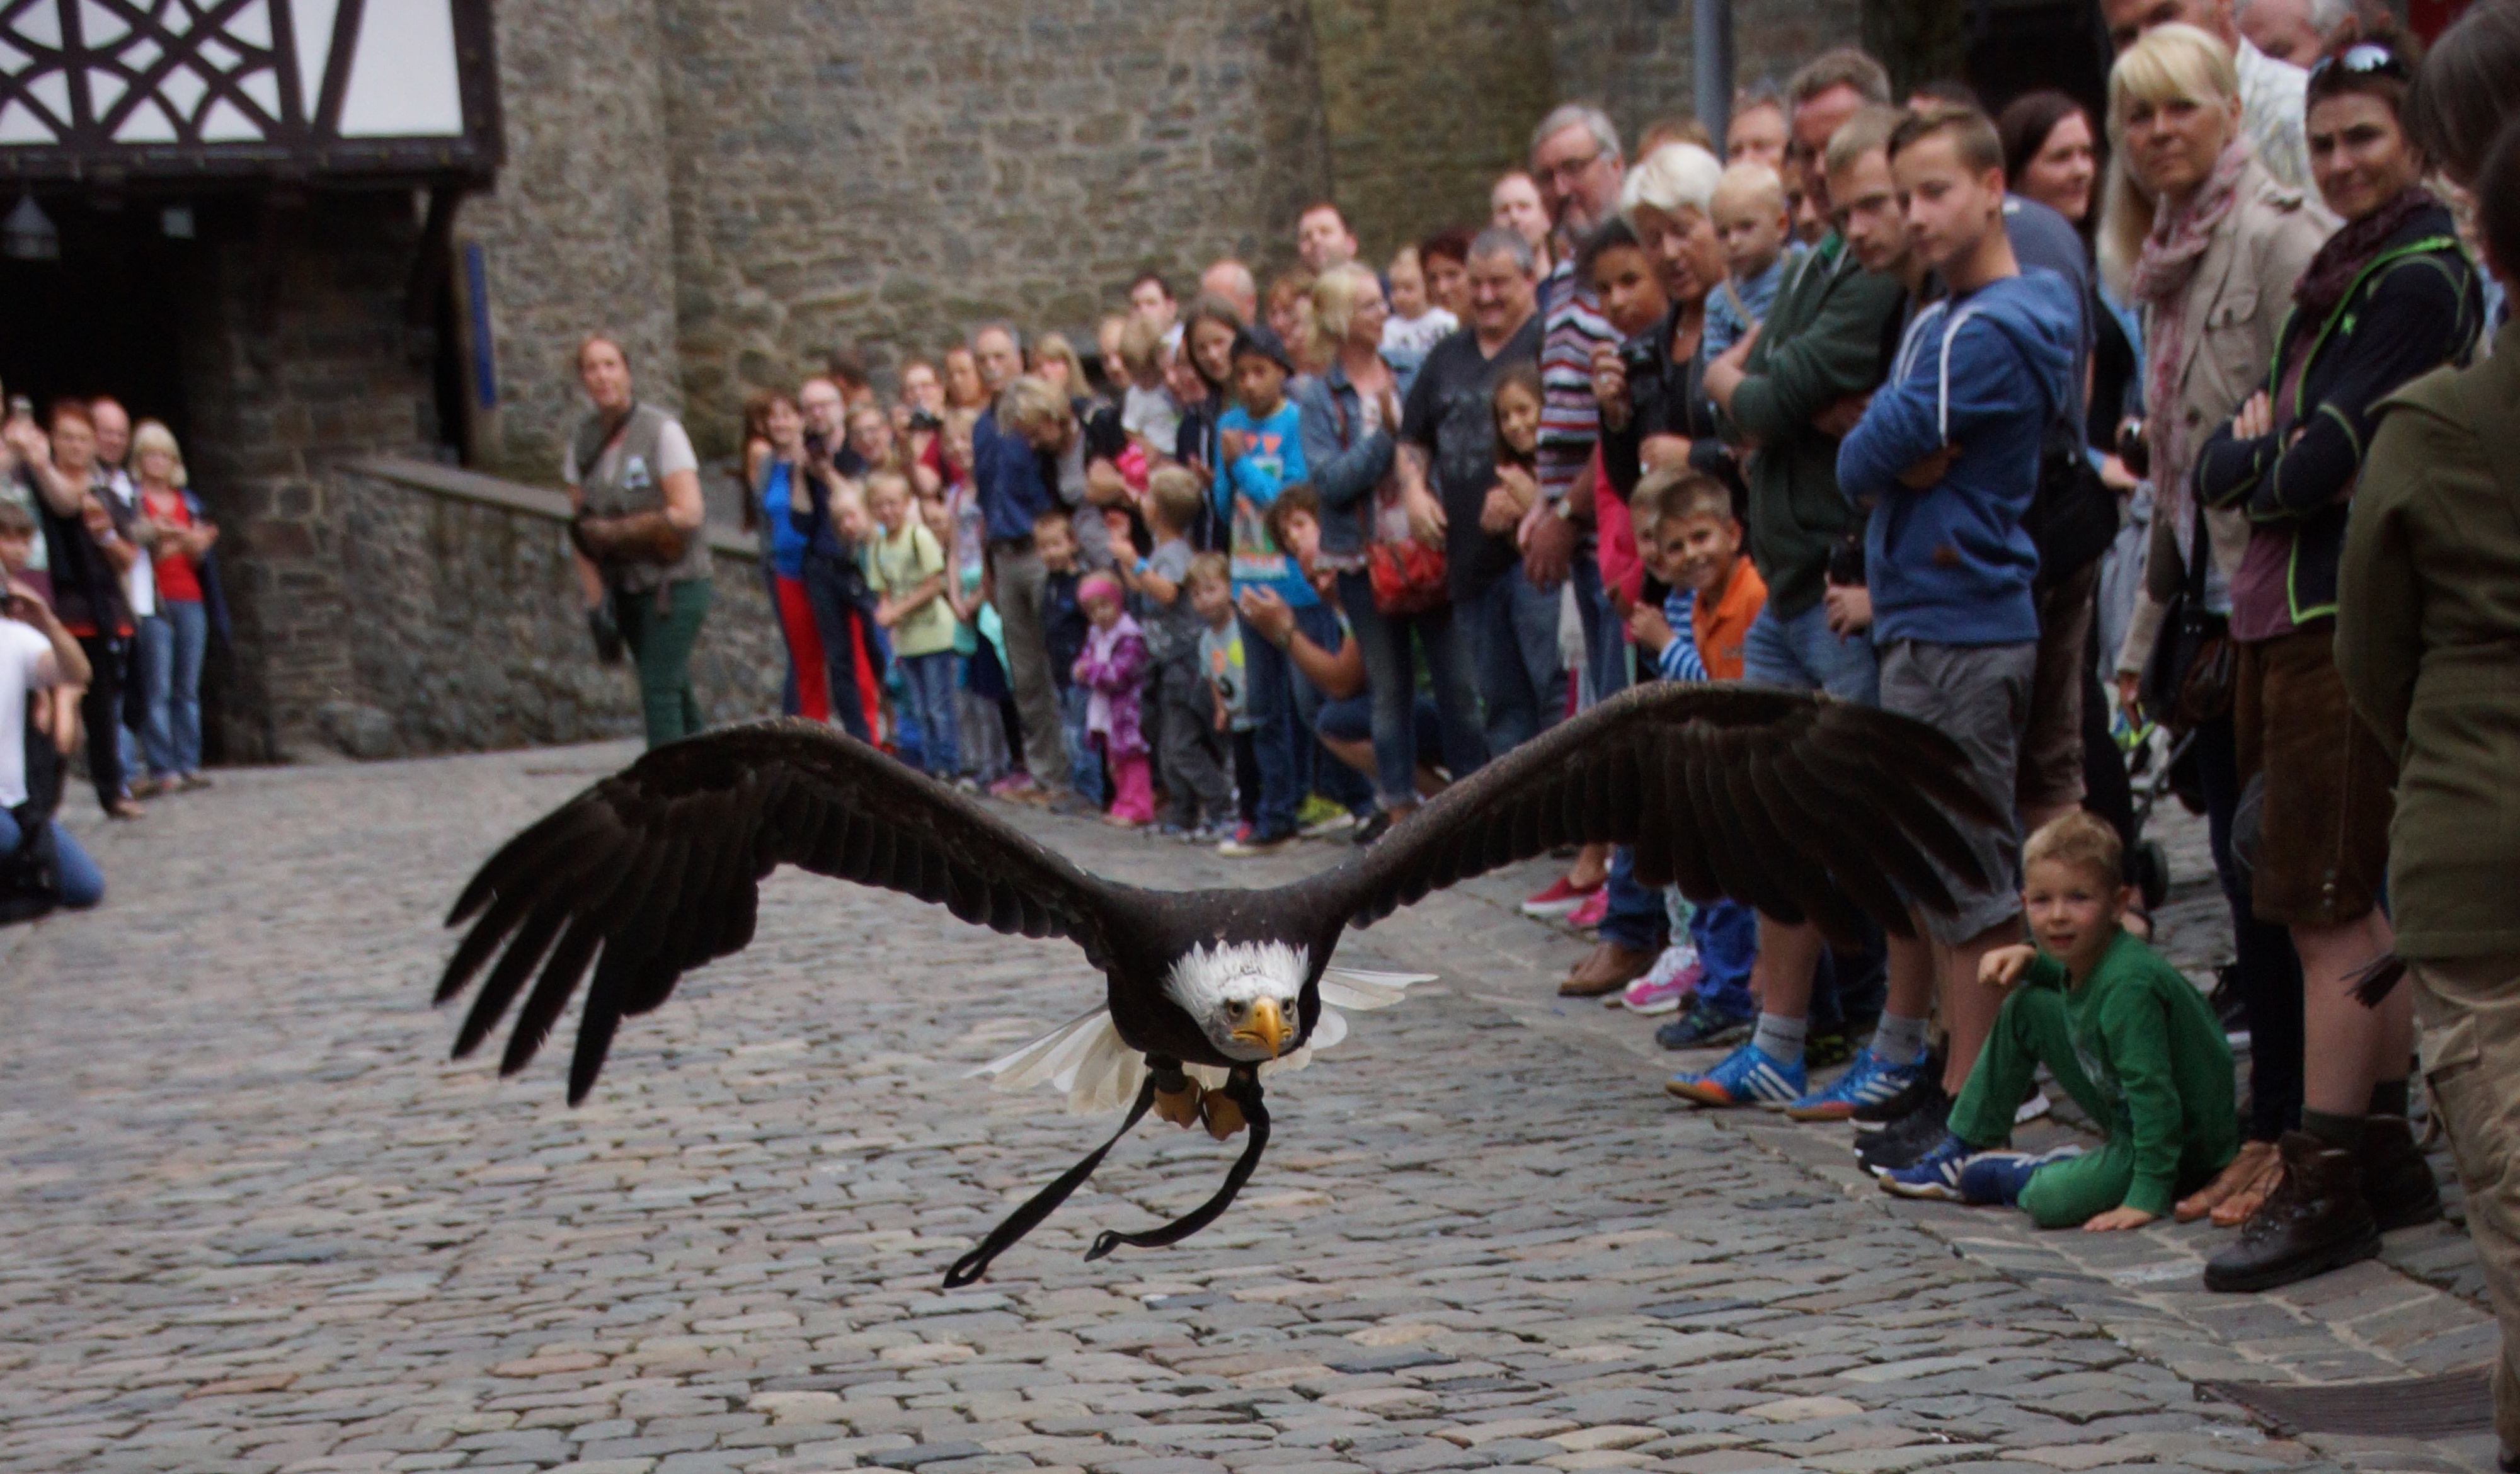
(2389, 297)
(2207, 245)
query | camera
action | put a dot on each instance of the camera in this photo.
(923, 420)
(817, 444)
(2135, 448)
(1846, 562)
(21, 407)
(1644, 366)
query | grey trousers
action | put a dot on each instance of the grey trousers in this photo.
(1191, 756)
(1022, 588)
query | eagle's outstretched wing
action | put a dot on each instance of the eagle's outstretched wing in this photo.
(658, 869)
(1805, 807)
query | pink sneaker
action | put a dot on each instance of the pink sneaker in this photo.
(1672, 978)
(1588, 915)
(1559, 899)
(1014, 788)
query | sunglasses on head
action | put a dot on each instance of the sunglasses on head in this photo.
(2365, 59)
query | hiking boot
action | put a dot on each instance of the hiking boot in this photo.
(2313, 1222)
(2397, 1181)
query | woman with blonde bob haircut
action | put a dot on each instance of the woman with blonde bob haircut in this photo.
(2207, 247)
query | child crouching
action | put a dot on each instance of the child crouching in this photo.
(1112, 670)
(2131, 1040)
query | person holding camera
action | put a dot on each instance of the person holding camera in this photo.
(40, 865)
(642, 563)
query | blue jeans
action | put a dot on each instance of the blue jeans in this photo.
(928, 687)
(1084, 764)
(1280, 737)
(1390, 677)
(174, 735)
(82, 883)
(1726, 934)
(1606, 638)
(1635, 918)
(849, 635)
(1801, 653)
(1514, 636)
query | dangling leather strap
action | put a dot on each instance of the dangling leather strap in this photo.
(1242, 1087)
(1044, 1203)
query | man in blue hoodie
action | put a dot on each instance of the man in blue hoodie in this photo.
(1945, 457)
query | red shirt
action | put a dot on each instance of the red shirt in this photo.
(177, 582)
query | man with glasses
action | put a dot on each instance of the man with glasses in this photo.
(1829, 90)
(1577, 164)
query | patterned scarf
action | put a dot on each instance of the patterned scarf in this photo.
(2162, 273)
(2331, 273)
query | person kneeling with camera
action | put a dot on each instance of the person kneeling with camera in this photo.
(41, 867)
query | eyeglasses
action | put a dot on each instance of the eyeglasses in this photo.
(1563, 174)
(2364, 60)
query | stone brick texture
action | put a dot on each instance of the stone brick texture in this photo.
(783, 177)
(471, 635)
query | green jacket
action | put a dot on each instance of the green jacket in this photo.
(1826, 338)
(2150, 1065)
(2428, 642)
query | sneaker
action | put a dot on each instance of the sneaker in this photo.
(1319, 819)
(1997, 1177)
(1703, 1026)
(1746, 1077)
(1927, 1084)
(1587, 915)
(1248, 846)
(1016, 787)
(1559, 899)
(1869, 1081)
(1371, 829)
(1823, 1050)
(1209, 833)
(1672, 976)
(1904, 1140)
(1936, 1174)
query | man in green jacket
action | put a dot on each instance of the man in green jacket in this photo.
(2428, 642)
(1789, 392)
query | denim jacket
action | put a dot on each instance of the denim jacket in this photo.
(1346, 459)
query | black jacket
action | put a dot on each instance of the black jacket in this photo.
(2416, 307)
(1670, 400)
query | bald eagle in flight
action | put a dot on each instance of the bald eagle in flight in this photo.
(1804, 807)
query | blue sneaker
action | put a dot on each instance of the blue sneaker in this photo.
(1867, 1082)
(1998, 1177)
(1936, 1174)
(1746, 1077)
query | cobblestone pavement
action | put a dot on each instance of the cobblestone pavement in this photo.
(254, 1221)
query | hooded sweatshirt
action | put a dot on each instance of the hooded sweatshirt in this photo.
(1986, 372)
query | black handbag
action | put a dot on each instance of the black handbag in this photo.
(2195, 665)
(2073, 517)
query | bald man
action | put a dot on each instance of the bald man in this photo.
(1231, 280)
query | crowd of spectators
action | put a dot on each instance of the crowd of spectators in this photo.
(109, 601)
(2045, 428)
(2042, 427)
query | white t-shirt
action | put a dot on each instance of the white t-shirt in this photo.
(140, 585)
(673, 454)
(22, 648)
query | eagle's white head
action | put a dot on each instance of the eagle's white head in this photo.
(1244, 995)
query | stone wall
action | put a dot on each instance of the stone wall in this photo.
(470, 632)
(578, 232)
(1425, 105)
(297, 358)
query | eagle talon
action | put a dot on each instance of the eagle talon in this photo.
(1181, 1106)
(1224, 1116)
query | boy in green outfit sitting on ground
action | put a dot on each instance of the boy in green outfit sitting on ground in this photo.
(2130, 1038)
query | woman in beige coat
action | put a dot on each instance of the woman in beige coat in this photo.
(2208, 246)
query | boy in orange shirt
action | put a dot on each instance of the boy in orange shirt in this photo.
(1687, 535)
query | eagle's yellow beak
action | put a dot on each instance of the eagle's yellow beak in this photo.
(1265, 1027)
